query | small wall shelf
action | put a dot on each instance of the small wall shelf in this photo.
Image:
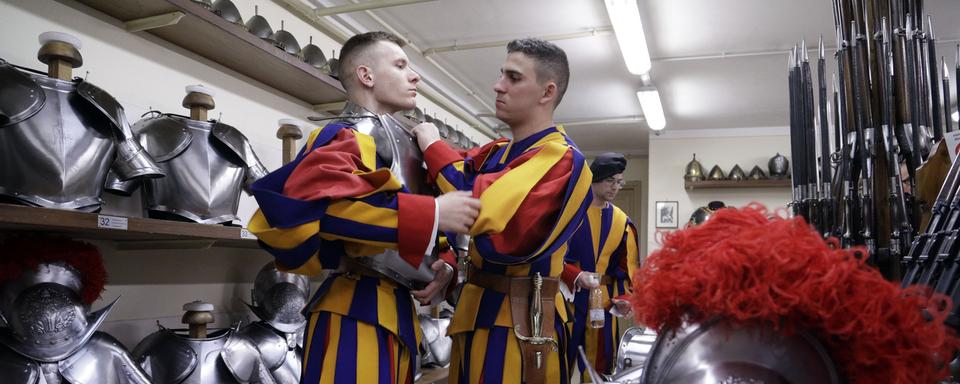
(714, 184)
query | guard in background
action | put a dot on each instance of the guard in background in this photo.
(345, 204)
(606, 244)
(534, 191)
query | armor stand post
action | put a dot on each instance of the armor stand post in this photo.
(289, 133)
(61, 58)
(199, 102)
(198, 315)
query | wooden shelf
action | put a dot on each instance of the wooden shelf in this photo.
(140, 233)
(708, 184)
(204, 33)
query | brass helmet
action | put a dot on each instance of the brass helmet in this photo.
(779, 167)
(737, 174)
(716, 173)
(694, 171)
(757, 174)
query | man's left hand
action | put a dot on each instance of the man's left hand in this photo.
(623, 308)
(438, 286)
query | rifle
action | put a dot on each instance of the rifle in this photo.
(826, 199)
(901, 232)
(934, 84)
(948, 121)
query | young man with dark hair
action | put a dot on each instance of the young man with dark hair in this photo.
(606, 244)
(339, 201)
(534, 190)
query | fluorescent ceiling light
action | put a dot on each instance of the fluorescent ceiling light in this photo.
(652, 108)
(625, 17)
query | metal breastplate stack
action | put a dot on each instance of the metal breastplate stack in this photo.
(398, 148)
(207, 164)
(58, 140)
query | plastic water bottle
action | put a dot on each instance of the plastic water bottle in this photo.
(596, 313)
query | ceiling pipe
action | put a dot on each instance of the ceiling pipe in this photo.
(376, 4)
(502, 43)
(772, 52)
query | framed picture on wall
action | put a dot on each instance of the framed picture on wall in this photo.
(667, 214)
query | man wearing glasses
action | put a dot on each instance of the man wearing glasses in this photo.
(606, 244)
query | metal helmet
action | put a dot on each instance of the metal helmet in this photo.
(313, 55)
(228, 11)
(286, 41)
(333, 66)
(778, 167)
(635, 347)
(703, 213)
(694, 171)
(443, 128)
(260, 27)
(716, 173)
(279, 298)
(737, 173)
(757, 173)
(204, 3)
(46, 318)
(716, 352)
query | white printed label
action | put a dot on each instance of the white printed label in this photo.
(596, 315)
(112, 222)
(245, 234)
(953, 143)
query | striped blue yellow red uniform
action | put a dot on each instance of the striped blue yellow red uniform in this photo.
(335, 201)
(606, 243)
(533, 194)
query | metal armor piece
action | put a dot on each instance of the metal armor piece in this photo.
(716, 173)
(778, 167)
(228, 11)
(694, 170)
(313, 55)
(46, 320)
(280, 352)
(20, 96)
(279, 298)
(437, 344)
(703, 213)
(102, 360)
(737, 173)
(398, 148)
(207, 163)
(59, 156)
(171, 356)
(286, 41)
(635, 347)
(716, 352)
(15, 368)
(757, 174)
(204, 3)
(260, 27)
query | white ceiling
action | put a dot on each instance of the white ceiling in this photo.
(700, 89)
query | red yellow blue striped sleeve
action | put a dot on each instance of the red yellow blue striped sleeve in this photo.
(333, 201)
(540, 196)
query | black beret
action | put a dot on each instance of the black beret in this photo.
(606, 165)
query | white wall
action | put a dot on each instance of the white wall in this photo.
(670, 153)
(143, 72)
